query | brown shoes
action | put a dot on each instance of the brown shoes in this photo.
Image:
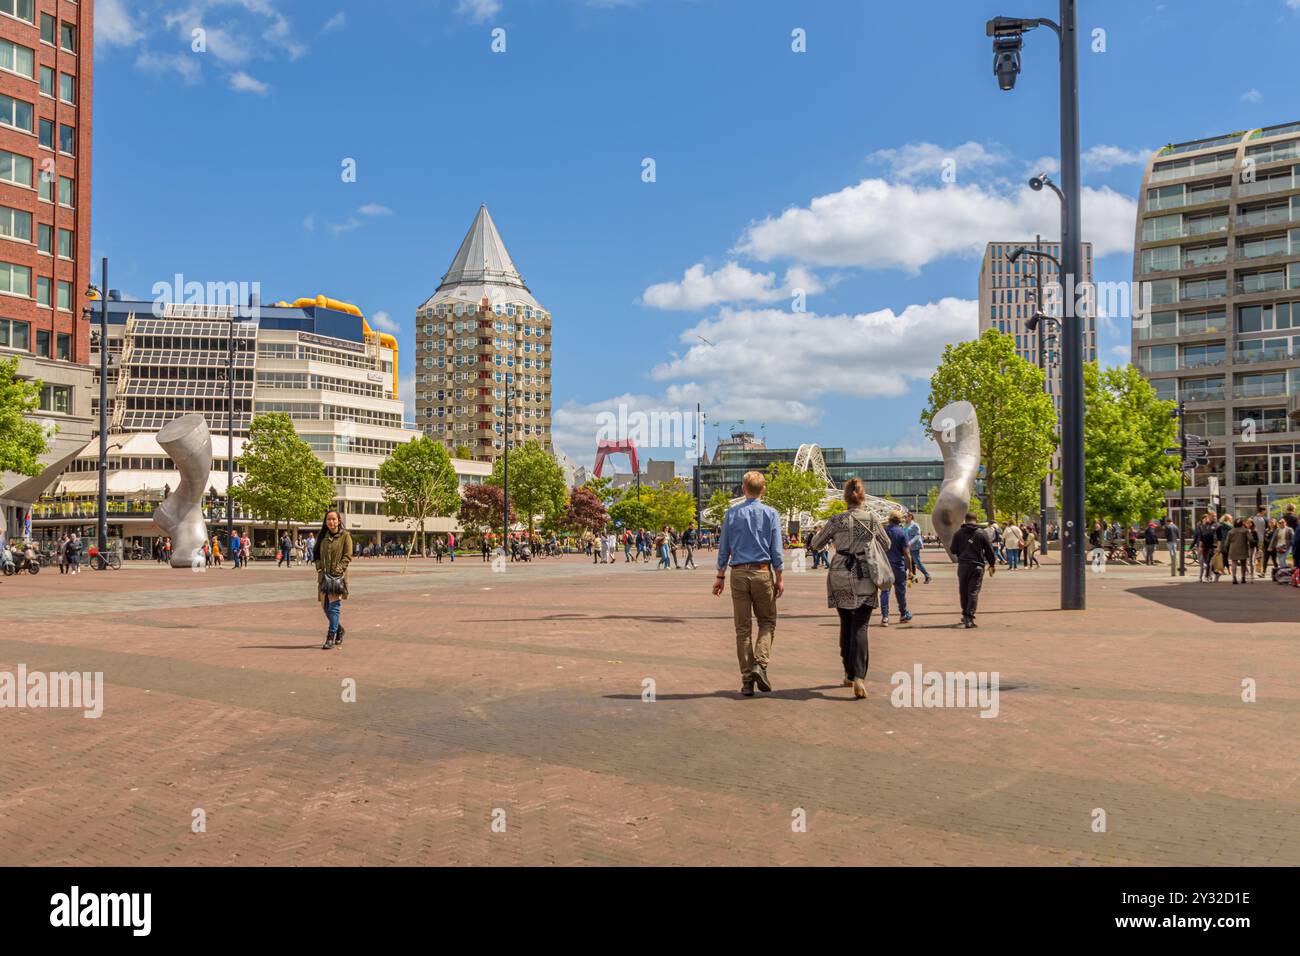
(860, 689)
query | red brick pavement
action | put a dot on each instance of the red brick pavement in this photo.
(522, 692)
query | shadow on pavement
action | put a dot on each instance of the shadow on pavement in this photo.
(800, 693)
(1266, 602)
(279, 647)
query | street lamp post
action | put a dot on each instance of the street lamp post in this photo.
(1007, 38)
(1036, 323)
(230, 431)
(505, 479)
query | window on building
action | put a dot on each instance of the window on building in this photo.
(47, 80)
(67, 88)
(63, 346)
(15, 224)
(67, 139)
(65, 296)
(43, 343)
(17, 113)
(43, 291)
(17, 59)
(47, 28)
(46, 134)
(22, 9)
(14, 334)
(67, 192)
(65, 243)
(15, 279)
(45, 238)
(68, 37)
(56, 398)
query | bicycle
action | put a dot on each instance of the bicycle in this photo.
(100, 561)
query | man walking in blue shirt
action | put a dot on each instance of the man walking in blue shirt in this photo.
(751, 543)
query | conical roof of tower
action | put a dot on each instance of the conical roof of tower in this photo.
(482, 268)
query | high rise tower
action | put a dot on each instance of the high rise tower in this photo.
(480, 337)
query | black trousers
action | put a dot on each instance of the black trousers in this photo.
(970, 578)
(854, 651)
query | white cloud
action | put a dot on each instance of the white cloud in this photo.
(245, 30)
(876, 225)
(309, 224)
(1122, 351)
(241, 82)
(1043, 164)
(383, 322)
(335, 22)
(479, 11)
(1103, 159)
(928, 161)
(113, 25)
(772, 366)
(758, 354)
(182, 64)
(339, 228)
(732, 283)
(915, 444)
(1253, 95)
(374, 209)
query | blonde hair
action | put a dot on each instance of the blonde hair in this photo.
(854, 492)
(754, 483)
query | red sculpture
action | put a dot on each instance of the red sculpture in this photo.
(622, 446)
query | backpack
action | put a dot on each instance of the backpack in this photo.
(871, 562)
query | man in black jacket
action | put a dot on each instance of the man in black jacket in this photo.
(971, 548)
(1207, 541)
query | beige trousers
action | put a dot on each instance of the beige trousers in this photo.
(753, 594)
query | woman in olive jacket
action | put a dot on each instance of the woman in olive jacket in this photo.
(852, 596)
(332, 554)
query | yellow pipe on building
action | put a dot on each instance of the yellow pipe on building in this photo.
(324, 302)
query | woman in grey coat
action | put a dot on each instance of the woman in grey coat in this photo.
(852, 596)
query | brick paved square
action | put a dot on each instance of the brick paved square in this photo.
(518, 697)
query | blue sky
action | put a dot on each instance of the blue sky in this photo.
(774, 170)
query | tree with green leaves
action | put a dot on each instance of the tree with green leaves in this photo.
(605, 490)
(632, 513)
(792, 492)
(283, 479)
(1017, 420)
(716, 510)
(22, 441)
(831, 510)
(419, 483)
(670, 503)
(462, 452)
(1125, 432)
(536, 482)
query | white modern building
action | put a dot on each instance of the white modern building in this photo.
(316, 360)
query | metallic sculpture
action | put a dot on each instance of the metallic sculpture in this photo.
(809, 458)
(187, 442)
(957, 432)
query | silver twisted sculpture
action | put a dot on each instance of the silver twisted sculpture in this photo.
(957, 432)
(186, 441)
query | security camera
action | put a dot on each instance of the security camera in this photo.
(1036, 184)
(1006, 61)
